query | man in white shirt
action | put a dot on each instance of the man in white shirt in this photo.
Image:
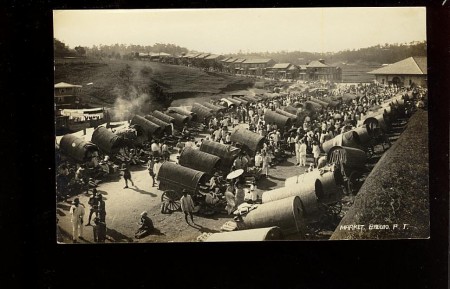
(258, 160)
(77, 214)
(302, 153)
(156, 150)
(165, 151)
(297, 150)
(156, 168)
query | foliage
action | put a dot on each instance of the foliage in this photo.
(146, 71)
(128, 51)
(387, 53)
(81, 51)
(60, 49)
(126, 73)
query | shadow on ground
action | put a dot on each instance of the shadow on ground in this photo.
(276, 178)
(265, 184)
(115, 236)
(63, 207)
(203, 229)
(136, 189)
(60, 213)
(286, 164)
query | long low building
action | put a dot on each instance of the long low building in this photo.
(407, 72)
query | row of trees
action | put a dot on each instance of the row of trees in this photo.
(60, 49)
(378, 54)
(122, 50)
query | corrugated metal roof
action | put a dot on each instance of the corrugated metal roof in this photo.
(192, 55)
(411, 66)
(159, 54)
(240, 60)
(213, 56)
(231, 60)
(203, 55)
(316, 63)
(65, 85)
(257, 61)
(281, 65)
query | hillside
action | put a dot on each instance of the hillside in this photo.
(353, 72)
(143, 81)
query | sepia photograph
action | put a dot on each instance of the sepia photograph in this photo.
(238, 125)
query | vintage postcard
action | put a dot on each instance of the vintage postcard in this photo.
(190, 125)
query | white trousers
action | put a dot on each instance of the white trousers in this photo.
(77, 230)
(303, 159)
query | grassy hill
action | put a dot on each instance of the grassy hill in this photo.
(357, 72)
(113, 79)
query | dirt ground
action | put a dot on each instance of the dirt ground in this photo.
(123, 207)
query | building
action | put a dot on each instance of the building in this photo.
(188, 59)
(283, 70)
(228, 65)
(318, 70)
(214, 61)
(161, 57)
(66, 94)
(237, 66)
(256, 67)
(407, 72)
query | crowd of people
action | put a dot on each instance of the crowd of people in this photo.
(303, 139)
(307, 135)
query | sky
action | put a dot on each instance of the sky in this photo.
(224, 31)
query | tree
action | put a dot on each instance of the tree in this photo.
(126, 73)
(81, 51)
(60, 49)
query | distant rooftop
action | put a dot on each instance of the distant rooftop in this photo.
(213, 56)
(281, 65)
(201, 56)
(257, 61)
(316, 63)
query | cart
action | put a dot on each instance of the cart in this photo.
(352, 163)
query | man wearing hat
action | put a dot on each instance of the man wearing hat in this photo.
(77, 214)
(187, 206)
